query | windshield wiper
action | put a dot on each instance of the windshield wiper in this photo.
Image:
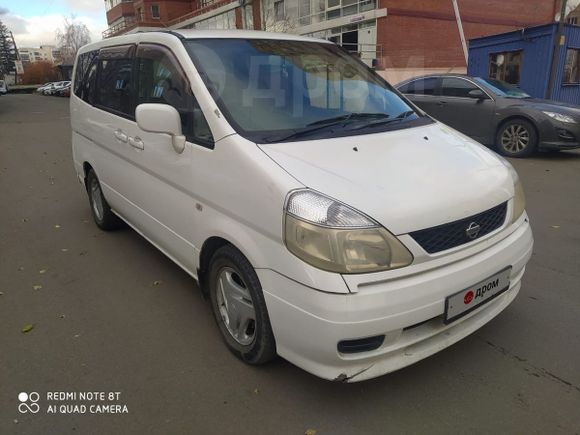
(324, 124)
(400, 117)
(351, 116)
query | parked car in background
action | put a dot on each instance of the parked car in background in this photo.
(3, 88)
(63, 91)
(331, 222)
(55, 87)
(41, 89)
(496, 113)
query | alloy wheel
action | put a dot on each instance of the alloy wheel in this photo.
(515, 138)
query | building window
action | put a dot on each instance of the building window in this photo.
(279, 10)
(155, 11)
(572, 66)
(506, 66)
(572, 20)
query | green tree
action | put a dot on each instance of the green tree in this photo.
(7, 51)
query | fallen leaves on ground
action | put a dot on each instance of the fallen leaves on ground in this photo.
(42, 271)
(157, 282)
(310, 432)
(36, 287)
(27, 328)
(555, 226)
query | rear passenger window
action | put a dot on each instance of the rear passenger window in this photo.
(114, 90)
(160, 79)
(425, 86)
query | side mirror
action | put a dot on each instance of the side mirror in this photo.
(161, 118)
(477, 94)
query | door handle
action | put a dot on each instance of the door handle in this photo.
(120, 135)
(136, 142)
(442, 103)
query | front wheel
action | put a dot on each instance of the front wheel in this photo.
(517, 138)
(239, 307)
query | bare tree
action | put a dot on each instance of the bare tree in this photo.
(71, 38)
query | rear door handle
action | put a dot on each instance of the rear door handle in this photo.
(120, 135)
(136, 142)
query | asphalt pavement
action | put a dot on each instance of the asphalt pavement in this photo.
(110, 313)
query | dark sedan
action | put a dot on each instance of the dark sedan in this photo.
(496, 113)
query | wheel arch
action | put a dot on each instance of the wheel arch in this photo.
(514, 118)
(86, 168)
(208, 249)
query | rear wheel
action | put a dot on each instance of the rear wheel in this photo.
(517, 138)
(239, 307)
(102, 214)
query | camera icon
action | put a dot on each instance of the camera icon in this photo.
(28, 402)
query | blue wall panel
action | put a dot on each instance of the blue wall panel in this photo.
(567, 93)
(537, 46)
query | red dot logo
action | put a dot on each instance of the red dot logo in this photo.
(468, 297)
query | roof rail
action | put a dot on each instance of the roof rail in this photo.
(169, 32)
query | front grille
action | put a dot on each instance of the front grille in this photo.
(455, 233)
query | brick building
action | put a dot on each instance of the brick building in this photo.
(401, 38)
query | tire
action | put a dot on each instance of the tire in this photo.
(517, 138)
(100, 209)
(233, 281)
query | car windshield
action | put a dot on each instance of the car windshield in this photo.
(502, 88)
(280, 90)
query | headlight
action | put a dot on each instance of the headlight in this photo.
(519, 200)
(334, 237)
(519, 196)
(561, 117)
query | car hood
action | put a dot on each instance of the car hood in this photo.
(406, 179)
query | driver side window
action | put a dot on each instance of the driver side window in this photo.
(456, 87)
(160, 79)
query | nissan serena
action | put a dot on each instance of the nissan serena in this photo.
(329, 220)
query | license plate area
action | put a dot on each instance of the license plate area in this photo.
(465, 301)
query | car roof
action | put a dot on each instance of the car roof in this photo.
(156, 35)
(242, 34)
(427, 76)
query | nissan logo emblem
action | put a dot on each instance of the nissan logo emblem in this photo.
(472, 230)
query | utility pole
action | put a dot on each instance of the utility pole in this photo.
(460, 28)
(556, 55)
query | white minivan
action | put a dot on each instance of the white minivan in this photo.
(329, 220)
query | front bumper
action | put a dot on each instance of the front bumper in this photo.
(555, 135)
(408, 310)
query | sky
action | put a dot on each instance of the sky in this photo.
(34, 22)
